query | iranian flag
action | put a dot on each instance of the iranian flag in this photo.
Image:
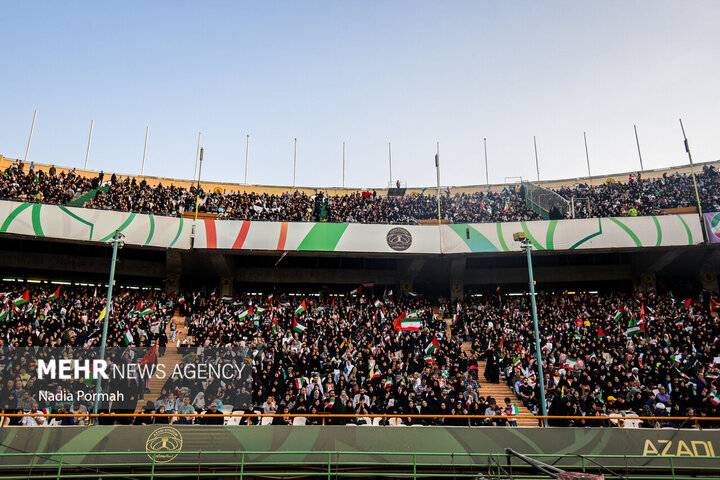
(298, 327)
(376, 374)
(184, 341)
(403, 323)
(299, 383)
(181, 299)
(714, 398)
(387, 383)
(434, 345)
(378, 303)
(128, 339)
(516, 362)
(571, 362)
(514, 410)
(55, 295)
(330, 403)
(427, 358)
(47, 411)
(25, 298)
(274, 325)
(507, 206)
(302, 308)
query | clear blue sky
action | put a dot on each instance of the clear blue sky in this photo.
(366, 72)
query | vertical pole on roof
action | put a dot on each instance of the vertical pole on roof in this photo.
(108, 309)
(147, 132)
(294, 161)
(197, 157)
(537, 164)
(692, 171)
(197, 190)
(32, 129)
(390, 161)
(637, 141)
(437, 168)
(587, 156)
(247, 155)
(343, 178)
(487, 178)
(87, 153)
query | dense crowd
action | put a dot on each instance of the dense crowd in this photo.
(374, 352)
(636, 197)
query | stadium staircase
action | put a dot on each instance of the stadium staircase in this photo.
(171, 358)
(499, 391)
(80, 200)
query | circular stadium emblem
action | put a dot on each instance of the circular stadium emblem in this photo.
(715, 226)
(399, 239)
(165, 442)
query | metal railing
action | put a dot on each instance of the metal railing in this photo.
(546, 199)
(329, 464)
(686, 421)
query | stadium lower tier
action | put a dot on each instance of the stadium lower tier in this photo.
(405, 356)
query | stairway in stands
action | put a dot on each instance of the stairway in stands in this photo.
(499, 391)
(170, 359)
(81, 198)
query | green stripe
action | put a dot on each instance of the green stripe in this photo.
(177, 235)
(477, 241)
(323, 237)
(550, 237)
(92, 226)
(530, 237)
(152, 229)
(12, 216)
(599, 232)
(500, 237)
(35, 216)
(122, 227)
(659, 231)
(687, 229)
(637, 241)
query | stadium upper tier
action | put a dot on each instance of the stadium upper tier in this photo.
(655, 192)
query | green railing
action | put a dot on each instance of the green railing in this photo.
(336, 464)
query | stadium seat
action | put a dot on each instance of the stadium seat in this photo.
(266, 421)
(376, 421)
(299, 421)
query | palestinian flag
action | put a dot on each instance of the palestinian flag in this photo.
(55, 295)
(147, 311)
(274, 325)
(227, 299)
(299, 383)
(387, 383)
(445, 374)
(434, 345)
(25, 298)
(633, 328)
(357, 291)
(618, 316)
(128, 338)
(676, 358)
(32, 309)
(4, 314)
(403, 323)
(136, 309)
(600, 333)
(592, 356)
(243, 315)
(412, 314)
(302, 308)
(298, 327)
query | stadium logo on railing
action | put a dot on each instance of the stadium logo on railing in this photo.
(399, 239)
(164, 444)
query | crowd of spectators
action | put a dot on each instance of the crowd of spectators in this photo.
(638, 196)
(613, 353)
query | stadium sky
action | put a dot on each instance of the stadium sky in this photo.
(409, 72)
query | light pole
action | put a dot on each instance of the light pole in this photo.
(116, 240)
(525, 245)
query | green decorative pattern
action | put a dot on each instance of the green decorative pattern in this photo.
(81, 220)
(37, 227)
(500, 237)
(122, 227)
(530, 237)
(599, 232)
(12, 216)
(177, 235)
(627, 230)
(477, 241)
(152, 229)
(550, 236)
(323, 237)
(687, 229)
(659, 231)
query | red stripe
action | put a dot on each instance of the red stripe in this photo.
(210, 234)
(283, 236)
(240, 240)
